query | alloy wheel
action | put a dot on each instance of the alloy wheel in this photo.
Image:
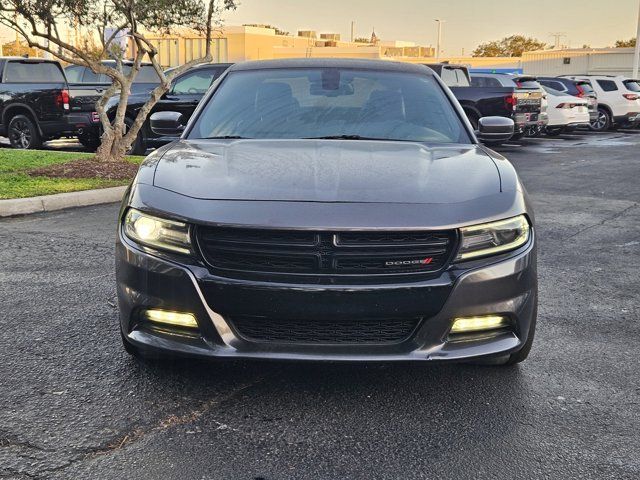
(600, 123)
(20, 134)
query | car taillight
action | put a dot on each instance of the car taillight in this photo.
(62, 99)
(511, 101)
(630, 96)
(568, 105)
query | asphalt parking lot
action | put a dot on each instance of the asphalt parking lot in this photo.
(75, 406)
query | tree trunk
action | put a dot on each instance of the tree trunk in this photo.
(112, 148)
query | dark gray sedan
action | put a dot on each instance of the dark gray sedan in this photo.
(328, 210)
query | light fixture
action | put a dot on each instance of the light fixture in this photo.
(157, 232)
(176, 319)
(493, 238)
(478, 324)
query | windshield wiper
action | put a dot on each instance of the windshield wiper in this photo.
(353, 137)
(228, 137)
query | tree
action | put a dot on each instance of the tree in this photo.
(626, 43)
(17, 49)
(40, 23)
(362, 40)
(512, 46)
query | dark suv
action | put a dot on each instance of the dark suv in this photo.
(34, 101)
(183, 97)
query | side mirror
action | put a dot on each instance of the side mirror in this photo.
(495, 129)
(167, 124)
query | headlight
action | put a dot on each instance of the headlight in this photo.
(157, 232)
(492, 238)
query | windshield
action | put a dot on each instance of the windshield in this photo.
(526, 82)
(632, 85)
(19, 71)
(146, 74)
(586, 87)
(553, 92)
(330, 102)
(454, 77)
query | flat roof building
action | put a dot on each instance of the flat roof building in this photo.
(579, 61)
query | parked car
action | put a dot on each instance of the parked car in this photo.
(34, 101)
(618, 101)
(529, 98)
(566, 112)
(186, 91)
(327, 209)
(87, 87)
(486, 96)
(481, 97)
(577, 88)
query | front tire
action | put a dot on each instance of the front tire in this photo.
(603, 122)
(23, 133)
(532, 131)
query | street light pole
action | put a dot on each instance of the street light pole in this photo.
(439, 44)
(636, 55)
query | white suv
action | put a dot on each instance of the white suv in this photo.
(618, 101)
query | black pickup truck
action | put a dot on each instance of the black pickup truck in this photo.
(87, 87)
(485, 96)
(34, 101)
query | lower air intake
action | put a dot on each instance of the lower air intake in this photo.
(325, 332)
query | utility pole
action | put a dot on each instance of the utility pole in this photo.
(353, 26)
(557, 36)
(636, 54)
(439, 44)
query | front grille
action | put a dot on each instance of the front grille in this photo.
(324, 332)
(258, 251)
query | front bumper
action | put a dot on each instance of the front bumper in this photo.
(507, 286)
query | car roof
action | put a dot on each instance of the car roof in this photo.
(125, 62)
(559, 79)
(30, 59)
(200, 66)
(444, 64)
(599, 77)
(384, 65)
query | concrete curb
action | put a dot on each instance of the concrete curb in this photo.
(48, 203)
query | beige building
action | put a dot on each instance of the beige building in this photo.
(239, 43)
(587, 61)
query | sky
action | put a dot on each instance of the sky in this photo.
(598, 23)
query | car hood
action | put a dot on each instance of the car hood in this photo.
(327, 171)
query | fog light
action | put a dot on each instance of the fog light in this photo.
(479, 324)
(185, 320)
